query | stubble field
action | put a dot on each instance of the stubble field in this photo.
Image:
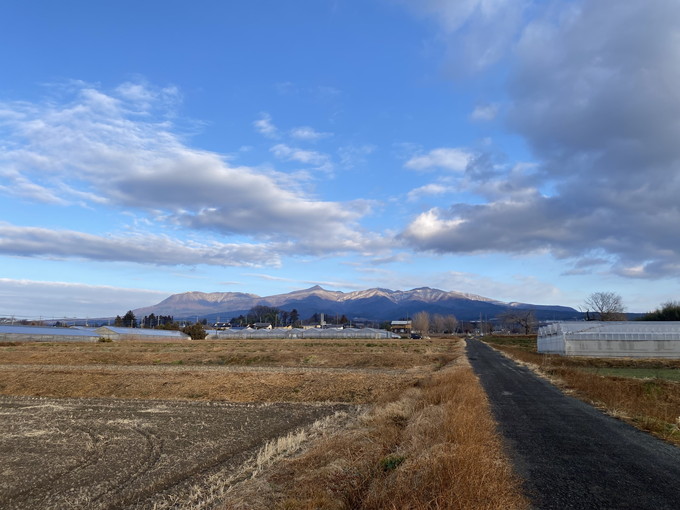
(228, 424)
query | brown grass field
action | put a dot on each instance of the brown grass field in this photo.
(651, 404)
(423, 437)
(263, 353)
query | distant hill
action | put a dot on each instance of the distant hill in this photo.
(372, 304)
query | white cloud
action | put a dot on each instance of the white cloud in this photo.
(314, 158)
(95, 150)
(265, 126)
(428, 189)
(143, 248)
(353, 155)
(307, 133)
(476, 33)
(593, 91)
(453, 159)
(484, 112)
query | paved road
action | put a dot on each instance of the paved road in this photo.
(570, 454)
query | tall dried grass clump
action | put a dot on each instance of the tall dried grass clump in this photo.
(453, 456)
(434, 446)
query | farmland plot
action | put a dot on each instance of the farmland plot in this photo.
(105, 453)
(247, 424)
(143, 425)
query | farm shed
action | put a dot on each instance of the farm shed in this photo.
(45, 334)
(625, 339)
(140, 334)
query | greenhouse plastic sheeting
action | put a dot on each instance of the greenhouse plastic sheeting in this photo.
(611, 339)
(317, 333)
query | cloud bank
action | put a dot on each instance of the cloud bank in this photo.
(593, 91)
(121, 150)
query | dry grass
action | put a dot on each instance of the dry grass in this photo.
(272, 386)
(235, 370)
(649, 404)
(270, 352)
(432, 446)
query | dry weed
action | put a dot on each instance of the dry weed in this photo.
(433, 447)
(267, 352)
(297, 386)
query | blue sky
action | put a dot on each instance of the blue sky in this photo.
(520, 150)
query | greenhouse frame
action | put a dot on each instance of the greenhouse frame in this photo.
(20, 333)
(616, 339)
(312, 333)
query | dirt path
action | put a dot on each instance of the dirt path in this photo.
(570, 454)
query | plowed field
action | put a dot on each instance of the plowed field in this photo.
(105, 453)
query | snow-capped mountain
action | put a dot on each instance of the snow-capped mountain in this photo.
(374, 304)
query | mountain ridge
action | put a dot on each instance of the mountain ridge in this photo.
(373, 304)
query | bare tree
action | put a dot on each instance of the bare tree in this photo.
(421, 322)
(521, 321)
(450, 324)
(604, 306)
(438, 323)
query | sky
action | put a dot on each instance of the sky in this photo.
(515, 149)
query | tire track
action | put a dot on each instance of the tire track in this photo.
(91, 458)
(152, 454)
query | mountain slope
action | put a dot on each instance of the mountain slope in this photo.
(373, 304)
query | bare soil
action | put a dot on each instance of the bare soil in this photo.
(106, 453)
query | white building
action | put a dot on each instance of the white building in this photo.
(625, 339)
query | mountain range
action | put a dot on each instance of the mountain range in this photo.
(372, 304)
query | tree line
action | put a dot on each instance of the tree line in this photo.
(196, 330)
(281, 318)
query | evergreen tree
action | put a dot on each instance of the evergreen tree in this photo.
(294, 318)
(129, 320)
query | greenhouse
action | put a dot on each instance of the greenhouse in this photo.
(45, 334)
(634, 339)
(312, 333)
(139, 334)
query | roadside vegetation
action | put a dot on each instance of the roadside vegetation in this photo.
(431, 446)
(643, 392)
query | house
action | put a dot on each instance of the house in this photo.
(401, 327)
(262, 325)
(611, 339)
